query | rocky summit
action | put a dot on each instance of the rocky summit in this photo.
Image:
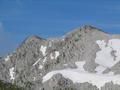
(85, 59)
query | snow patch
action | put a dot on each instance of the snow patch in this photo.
(56, 54)
(100, 69)
(45, 59)
(12, 73)
(101, 43)
(65, 64)
(36, 62)
(104, 57)
(50, 44)
(43, 50)
(63, 39)
(7, 58)
(34, 78)
(111, 73)
(80, 65)
(40, 66)
(51, 56)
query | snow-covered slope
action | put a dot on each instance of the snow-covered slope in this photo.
(104, 59)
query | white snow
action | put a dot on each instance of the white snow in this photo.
(45, 59)
(7, 58)
(65, 64)
(50, 44)
(80, 65)
(34, 78)
(36, 62)
(40, 66)
(111, 73)
(78, 76)
(101, 43)
(56, 54)
(12, 73)
(100, 69)
(63, 39)
(104, 57)
(43, 50)
(51, 56)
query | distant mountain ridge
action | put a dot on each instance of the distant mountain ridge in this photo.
(84, 59)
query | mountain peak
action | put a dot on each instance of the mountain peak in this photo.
(86, 29)
(90, 27)
(79, 55)
(31, 38)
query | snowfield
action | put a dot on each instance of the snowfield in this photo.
(104, 56)
(81, 77)
(104, 59)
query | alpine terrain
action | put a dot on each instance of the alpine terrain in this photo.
(84, 59)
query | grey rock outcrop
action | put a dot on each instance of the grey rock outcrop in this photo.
(58, 82)
(37, 56)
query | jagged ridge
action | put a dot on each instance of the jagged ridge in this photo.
(36, 57)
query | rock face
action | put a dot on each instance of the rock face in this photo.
(85, 59)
